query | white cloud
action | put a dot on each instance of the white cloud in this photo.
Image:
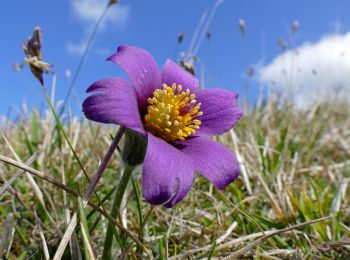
(88, 12)
(313, 71)
(77, 48)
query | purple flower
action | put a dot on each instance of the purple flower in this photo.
(175, 116)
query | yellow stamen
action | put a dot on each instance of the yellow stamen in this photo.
(172, 113)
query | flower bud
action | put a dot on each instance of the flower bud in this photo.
(134, 148)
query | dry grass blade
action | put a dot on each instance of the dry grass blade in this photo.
(74, 193)
(37, 173)
(66, 237)
(336, 204)
(241, 162)
(45, 249)
(89, 254)
(209, 247)
(6, 234)
(8, 183)
(252, 245)
(32, 182)
(222, 195)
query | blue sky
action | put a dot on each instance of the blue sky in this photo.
(154, 25)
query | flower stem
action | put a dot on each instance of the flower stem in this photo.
(107, 249)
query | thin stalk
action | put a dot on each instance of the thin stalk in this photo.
(60, 127)
(107, 249)
(73, 222)
(81, 62)
(104, 163)
(138, 201)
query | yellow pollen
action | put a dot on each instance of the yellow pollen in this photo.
(172, 113)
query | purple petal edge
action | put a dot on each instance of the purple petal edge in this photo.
(167, 173)
(173, 73)
(142, 70)
(220, 111)
(212, 160)
(113, 101)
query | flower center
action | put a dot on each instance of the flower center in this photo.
(172, 113)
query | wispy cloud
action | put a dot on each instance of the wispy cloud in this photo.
(88, 12)
(313, 71)
(77, 48)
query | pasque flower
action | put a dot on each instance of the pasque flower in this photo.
(175, 116)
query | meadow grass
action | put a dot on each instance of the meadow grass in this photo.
(294, 169)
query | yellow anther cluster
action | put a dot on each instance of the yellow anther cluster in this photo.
(172, 113)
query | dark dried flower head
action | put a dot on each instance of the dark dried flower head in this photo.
(112, 2)
(33, 55)
(209, 35)
(188, 67)
(33, 47)
(181, 37)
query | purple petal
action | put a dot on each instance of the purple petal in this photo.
(167, 173)
(173, 73)
(141, 69)
(220, 111)
(113, 101)
(213, 160)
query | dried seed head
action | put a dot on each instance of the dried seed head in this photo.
(188, 66)
(209, 35)
(181, 37)
(33, 55)
(34, 43)
(282, 44)
(112, 2)
(295, 26)
(242, 26)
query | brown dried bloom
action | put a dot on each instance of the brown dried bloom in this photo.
(33, 55)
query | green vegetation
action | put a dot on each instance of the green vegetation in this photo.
(295, 168)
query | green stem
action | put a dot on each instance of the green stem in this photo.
(107, 249)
